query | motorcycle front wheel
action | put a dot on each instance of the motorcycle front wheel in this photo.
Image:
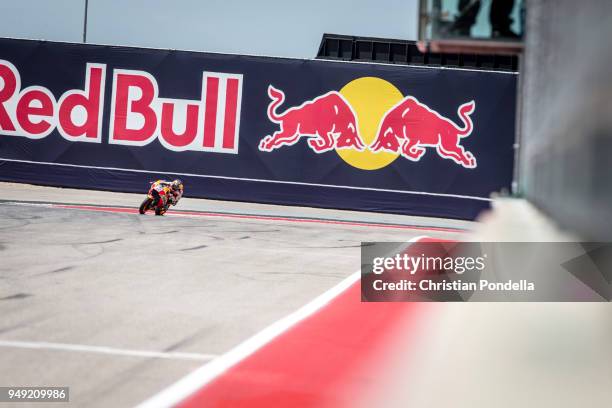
(145, 205)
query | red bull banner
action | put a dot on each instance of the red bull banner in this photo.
(408, 140)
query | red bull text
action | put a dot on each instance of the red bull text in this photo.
(138, 114)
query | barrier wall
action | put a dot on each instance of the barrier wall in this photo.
(566, 116)
(410, 140)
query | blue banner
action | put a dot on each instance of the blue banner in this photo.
(409, 140)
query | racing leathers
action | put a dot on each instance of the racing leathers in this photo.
(162, 192)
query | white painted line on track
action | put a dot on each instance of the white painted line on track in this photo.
(207, 373)
(257, 217)
(42, 345)
(26, 204)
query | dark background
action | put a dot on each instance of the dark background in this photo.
(61, 66)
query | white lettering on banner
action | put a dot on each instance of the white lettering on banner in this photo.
(138, 115)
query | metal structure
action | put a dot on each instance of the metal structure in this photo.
(85, 22)
(436, 33)
(369, 49)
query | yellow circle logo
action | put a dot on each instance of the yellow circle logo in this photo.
(370, 98)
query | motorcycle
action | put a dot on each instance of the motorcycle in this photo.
(151, 204)
(170, 196)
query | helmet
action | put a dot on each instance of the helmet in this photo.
(177, 185)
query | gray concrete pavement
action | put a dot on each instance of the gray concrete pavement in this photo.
(27, 192)
(166, 284)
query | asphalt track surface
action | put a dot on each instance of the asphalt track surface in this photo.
(238, 304)
(118, 306)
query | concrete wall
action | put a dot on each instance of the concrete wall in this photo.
(566, 123)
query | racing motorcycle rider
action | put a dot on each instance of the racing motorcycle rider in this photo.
(176, 189)
(167, 191)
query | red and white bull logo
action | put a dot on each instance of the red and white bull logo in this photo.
(369, 123)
